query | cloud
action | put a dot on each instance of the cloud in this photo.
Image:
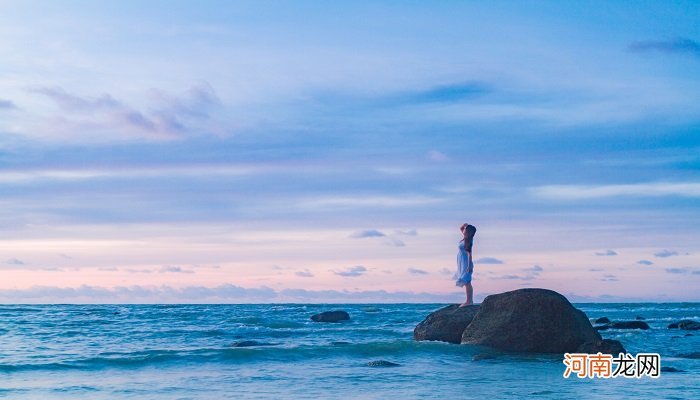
(645, 262)
(407, 232)
(417, 271)
(531, 273)
(534, 270)
(15, 261)
(352, 272)
(353, 202)
(607, 253)
(587, 192)
(489, 260)
(226, 293)
(514, 277)
(451, 93)
(446, 271)
(395, 242)
(174, 269)
(666, 253)
(609, 278)
(438, 156)
(169, 116)
(7, 105)
(674, 46)
(595, 269)
(367, 233)
(677, 270)
(139, 271)
(110, 269)
(304, 274)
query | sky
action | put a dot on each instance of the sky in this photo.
(238, 152)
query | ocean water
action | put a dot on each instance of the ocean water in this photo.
(187, 352)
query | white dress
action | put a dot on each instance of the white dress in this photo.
(465, 266)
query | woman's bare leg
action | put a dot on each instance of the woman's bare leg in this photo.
(470, 295)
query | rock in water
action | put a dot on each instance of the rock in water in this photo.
(331, 316)
(602, 320)
(382, 363)
(673, 325)
(689, 325)
(629, 325)
(605, 346)
(530, 320)
(445, 324)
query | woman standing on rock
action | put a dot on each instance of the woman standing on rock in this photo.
(465, 264)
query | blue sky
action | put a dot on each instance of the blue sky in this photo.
(303, 151)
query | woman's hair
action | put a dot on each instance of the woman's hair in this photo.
(469, 233)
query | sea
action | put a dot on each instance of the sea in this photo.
(194, 352)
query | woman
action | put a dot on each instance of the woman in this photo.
(465, 263)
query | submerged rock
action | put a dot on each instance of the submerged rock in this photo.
(602, 320)
(372, 309)
(382, 363)
(251, 343)
(331, 316)
(671, 369)
(530, 320)
(483, 356)
(605, 346)
(693, 355)
(629, 325)
(445, 324)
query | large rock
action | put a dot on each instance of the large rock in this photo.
(530, 320)
(330, 316)
(445, 324)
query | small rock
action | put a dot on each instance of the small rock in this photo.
(331, 316)
(630, 325)
(382, 363)
(251, 343)
(671, 369)
(688, 334)
(639, 318)
(689, 325)
(340, 343)
(602, 320)
(372, 309)
(673, 325)
(602, 327)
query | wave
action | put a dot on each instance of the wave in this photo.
(282, 353)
